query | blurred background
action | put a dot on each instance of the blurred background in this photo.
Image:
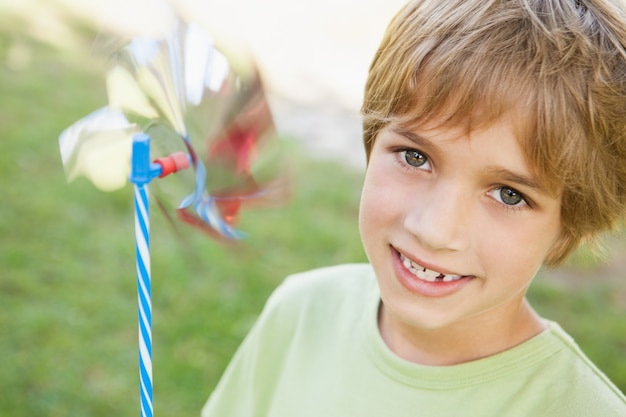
(68, 331)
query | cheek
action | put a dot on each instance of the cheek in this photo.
(377, 201)
(367, 208)
(518, 248)
(380, 189)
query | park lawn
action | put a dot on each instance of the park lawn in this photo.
(67, 281)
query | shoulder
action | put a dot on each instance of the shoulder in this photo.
(583, 388)
(335, 278)
(310, 308)
(321, 294)
(307, 327)
(341, 281)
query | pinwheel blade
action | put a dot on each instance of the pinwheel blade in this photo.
(188, 96)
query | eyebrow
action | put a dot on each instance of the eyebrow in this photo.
(513, 177)
(423, 143)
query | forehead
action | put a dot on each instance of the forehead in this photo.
(453, 123)
(498, 139)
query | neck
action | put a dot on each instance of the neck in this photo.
(469, 340)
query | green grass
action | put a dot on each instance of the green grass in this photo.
(67, 284)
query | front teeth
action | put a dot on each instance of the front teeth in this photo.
(427, 274)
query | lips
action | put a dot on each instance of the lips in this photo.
(426, 274)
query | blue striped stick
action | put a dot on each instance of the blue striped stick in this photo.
(141, 173)
(140, 177)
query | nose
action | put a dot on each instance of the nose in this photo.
(439, 217)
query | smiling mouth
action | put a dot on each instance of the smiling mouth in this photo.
(426, 274)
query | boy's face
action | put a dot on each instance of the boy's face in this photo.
(454, 225)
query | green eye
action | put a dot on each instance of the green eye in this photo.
(510, 197)
(415, 158)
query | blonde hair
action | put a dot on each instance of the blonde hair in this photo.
(560, 64)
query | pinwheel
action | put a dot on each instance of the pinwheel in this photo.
(178, 104)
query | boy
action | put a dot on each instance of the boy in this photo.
(495, 132)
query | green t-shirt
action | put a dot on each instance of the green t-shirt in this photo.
(316, 351)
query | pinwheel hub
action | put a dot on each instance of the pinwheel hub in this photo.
(143, 171)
